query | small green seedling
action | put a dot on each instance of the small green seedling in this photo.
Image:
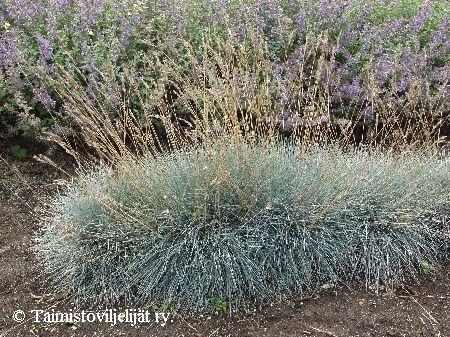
(18, 152)
(161, 308)
(426, 267)
(220, 305)
(8, 180)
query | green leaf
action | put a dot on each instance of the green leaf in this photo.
(18, 151)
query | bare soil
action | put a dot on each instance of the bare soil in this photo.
(412, 309)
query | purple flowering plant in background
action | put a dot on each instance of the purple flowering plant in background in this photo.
(345, 48)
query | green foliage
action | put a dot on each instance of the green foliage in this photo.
(426, 267)
(161, 308)
(18, 151)
(221, 306)
(399, 9)
(243, 222)
(8, 180)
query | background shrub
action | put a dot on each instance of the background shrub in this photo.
(383, 63)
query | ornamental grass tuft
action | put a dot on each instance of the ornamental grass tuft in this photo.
(244, 221)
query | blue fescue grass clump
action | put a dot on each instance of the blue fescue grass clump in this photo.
(248, 222)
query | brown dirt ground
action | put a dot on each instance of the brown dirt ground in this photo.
(424, 311)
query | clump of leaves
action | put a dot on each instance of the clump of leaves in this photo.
(18, 151)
